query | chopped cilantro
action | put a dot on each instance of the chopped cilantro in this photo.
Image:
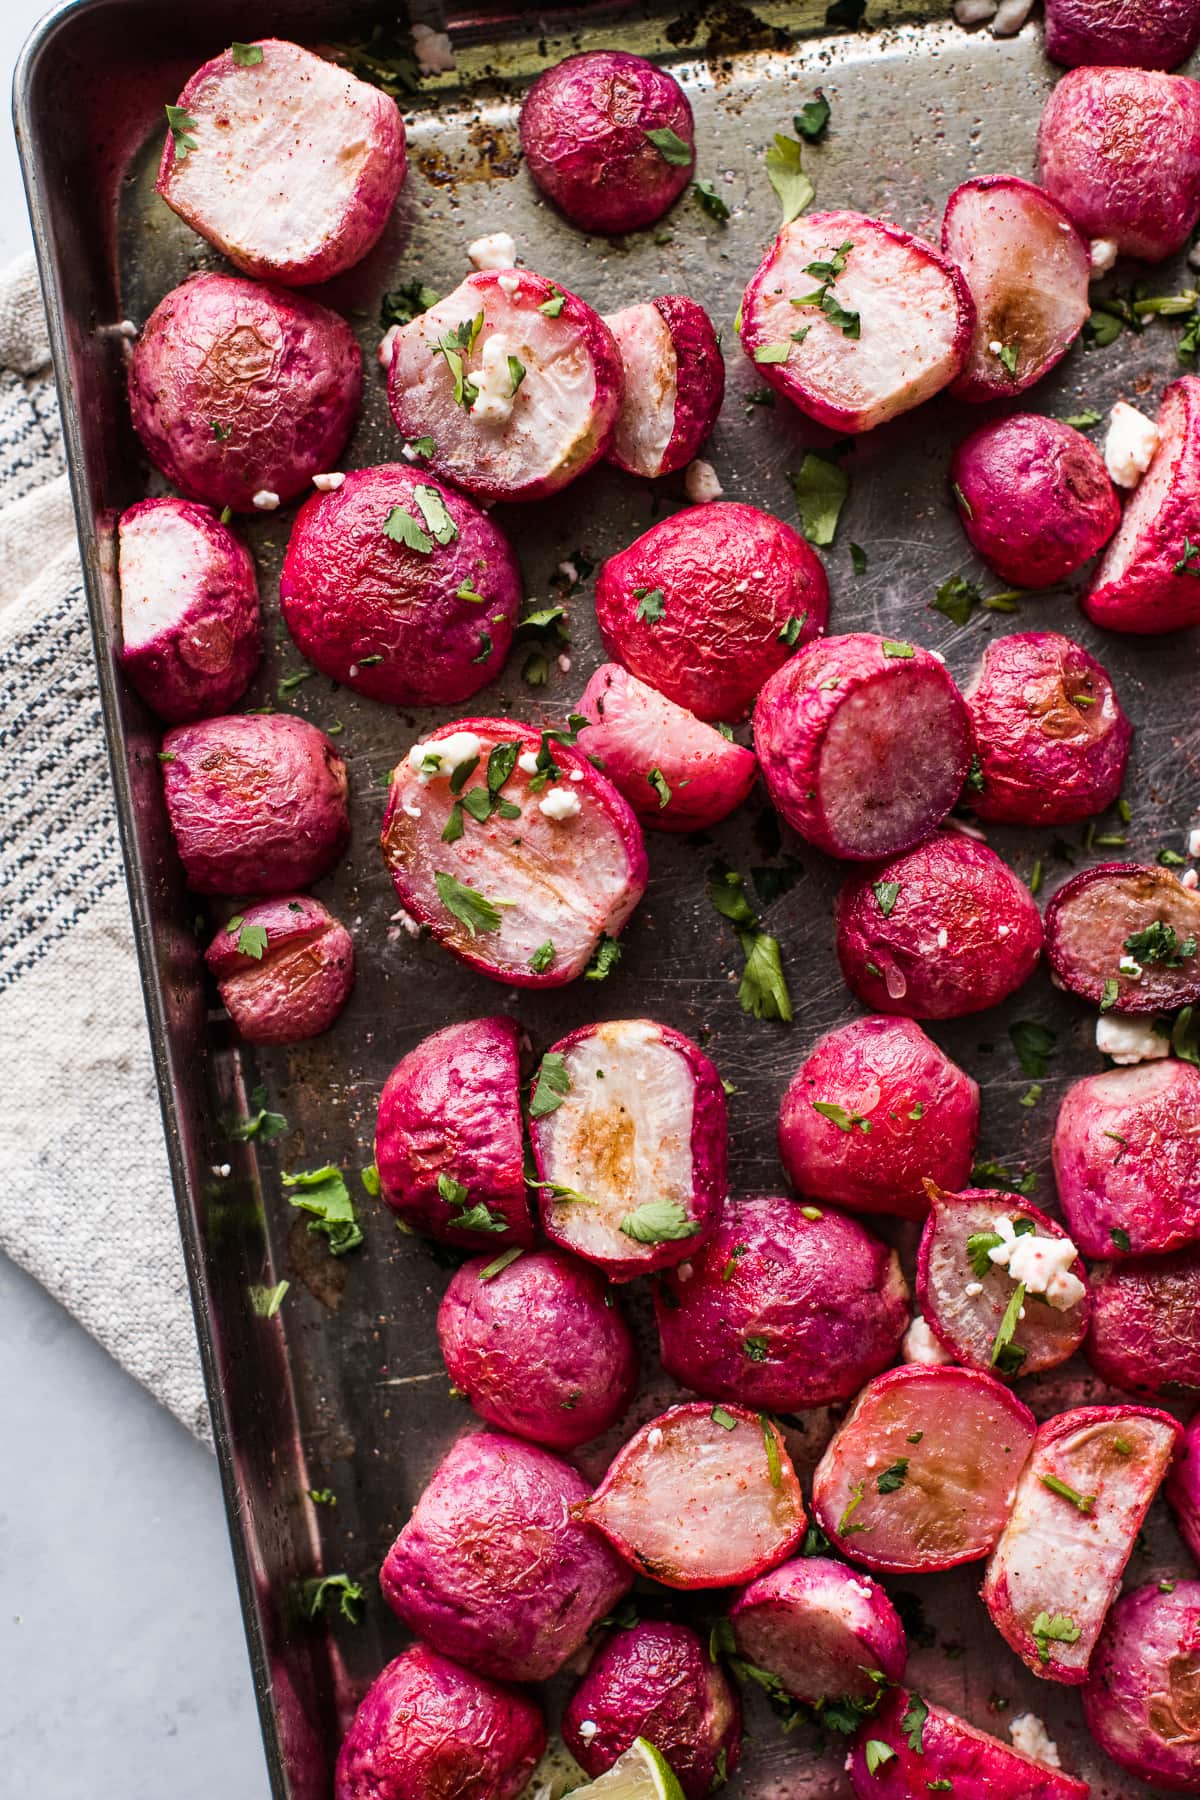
(471, 909)
(402, 528)
(820, 487)
(542, 957)
(552, 1086)
(604, 959)
(710, 201)
(658, 1222)
(324, 1194)
(785, 173)
(1034, 1044)
(893, 1478)
(246, 56)
(812, 119)
(1082, 1502)
(886, 893)
(180, 123)
(671, 147)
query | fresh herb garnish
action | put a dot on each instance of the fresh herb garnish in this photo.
(913, 1723)
(1034, 1044)
(350, 1597)
(402, 528)
(956, 599)
(784, 171)
(261, 1123)
(324, 1194)
(433, 510)
(553, 307)
(893, 1478)
(604, 959)
(552, 1086)
(771, 1445)
(246, 56)
(763, 989)
(756, 1348)
(542, 957)
(1082, 1502)
(504, 1261)
(658, 1222)
(1119, 1235)
(471, 909)
(838, 1115)
(1007, 1356)
(886, 893)
(810, 122)
(708, 198)
(651, 604)
(266, 1301)
(400, 307)
(658, 782)
(820, 486)
(180, 122)
(252, 941)
(1159, 944)
(1057, 1629)
(877, 1753)
(670, 146)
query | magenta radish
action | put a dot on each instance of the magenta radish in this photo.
(448, 1143)
(854, 320)
(701, 1497)
(538, 1346)
(978, 1247)
(288, 164)
(874, 1109)
(921, 1474)
(426, 1726)
(189, 609)
(627, 1123)
(515, 852)
(864, 744)
(1120, 151)
(257, 802)
(674, 384)
(1127, 1160)
(657, 1681)
(1139, 1699)
(824, 1631)
(676, 772)
(1149, 579)
(400, 588)
(515, 382)
(241, 393)
(1080, 1503)
(1125, 935)
(496, 1504)
(284, 969)
(608, 137)
(944, 930)
(1027, 268)
(1051, 737)
(708, 603)
(1034, 498)
(1138, 34)
(1183, 1488)
(911, 1746)
(784, 1307)
(1145, 1330)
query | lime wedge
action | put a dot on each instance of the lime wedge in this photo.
(641, 1773)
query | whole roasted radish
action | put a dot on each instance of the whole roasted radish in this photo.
(1149, 579)
(1183, 1488)
(1127, 1160)
(911, 1746)
(854, 320)
(1139, 1699)
(1136, 34)
(823, 1630)
(1034, 498)
(674, 384)
(1126, 935)
(864, 743)
(284, 969)
(1145, 1329)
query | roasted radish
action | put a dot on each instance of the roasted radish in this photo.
(627, 1121)
(674, 384)
(825, 1632)
(864, 744)
(1124, 935)
(1080, 1503)
(921, 1475)
(1183, 1488)
(1137, 34)
(284, 969)
(703, 1496)
(1034, 498)
(1127, 1160)
(1139, 1699)
(911, 1746)
(1145, 1331)
(518, 855)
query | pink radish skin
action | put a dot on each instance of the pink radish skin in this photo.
(1127, 1159)
(821, 1629)
(915, 312)
(280, 376)
(674, 384)
(257, 803)
(564, 408)
(297, 985)
(538, 1347)
(509, 1509)
(190, 633)
(1139, 1699)
(1144, 584)
(697, 1503)
(1050, 733)
(1028, 270)
(452, 1108)
(296, 164)
(864, 744)
(898, 961)
(1034, 498)
(966, 1324)
(922, 1110)
(1145, 1335)
(965, 1438)
(656, 1681)
(1090, 919)
(1120, 151)
(389, 620)
(699, 605)
(974, 1765)
(426, 1726)
(566, 881)
(643, 1120)
(1183, 1488)
(782, 1311)
(1059, 1558)
(584, 135)
(1137, 34)
(637, 730)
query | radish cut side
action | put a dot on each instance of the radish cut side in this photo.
(647, 422)
(825, 1631)
(697, 1502)
(966, 1762)
(1127, 936)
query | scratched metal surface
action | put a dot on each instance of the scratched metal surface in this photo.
(345, 1389)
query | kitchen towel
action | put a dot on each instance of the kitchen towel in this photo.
(86, 1203)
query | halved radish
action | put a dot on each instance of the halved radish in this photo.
(517, 383)
(1126, 935)
(1183, 1488)
(288, 164)
(1027, 268)
(922, 1473)
(1080, 1503)
(1140, 1697)
(854, 320)
(518, 855)
(701, 1497)
(967, 1295)
(627, 1123)
(676, 772)
(1145, 1330)
(864, 742)
(674, 383)
(826, 1632)
(1149, 579)
(284, 969)
(911, 1747)
(1127, 1159)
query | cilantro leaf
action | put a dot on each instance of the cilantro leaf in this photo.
(877, 1753)
(651, 604)
(658, 782)
(266, 1301)
(350, 1597)
(542, 957)
(1007, 1356)
(246, 56)
(1159, 944)
(505, 1260)
(756, 1348)
(893, 1478)
(1048, 1629)
(810, 122)
(978, 1245)
(671, 147)
(402, 528)
(658, 1222)
(1034, 1044)
(180, 123)
(956, 599)
(260, 1123)
(820, 487)
(708, 199)
(886, 893)
(405, 303)
(252, 941)
(324, 1194)
(604, 959)
(473, 910)
(763, 989)
(786, 175)
(552, 1086)
(837, 1115)
(433, 510)
(773, 353)
(913, 1723)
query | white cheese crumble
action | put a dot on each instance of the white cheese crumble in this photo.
(387, 347)
(265, 500)
(972, 1289)
(494, 396)
(1128, 1040)
(701, 484)
(995, 347)
(1042, 1264)
(433, 50)
(527, 762)
(1130, 444)
(1102, 254)
(441, 756)
(1194, 843)
(1189, 878)
(497, 250)
(508, 284)
(1031, 1738)
(654, 1437)
(559, 804)
(920, 1345)
(329, 484)
(588, 1729)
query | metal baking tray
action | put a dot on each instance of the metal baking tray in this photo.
(344, 1388)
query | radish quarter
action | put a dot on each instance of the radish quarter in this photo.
(967, 1762)
(1127, 1159)
(284, 969)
